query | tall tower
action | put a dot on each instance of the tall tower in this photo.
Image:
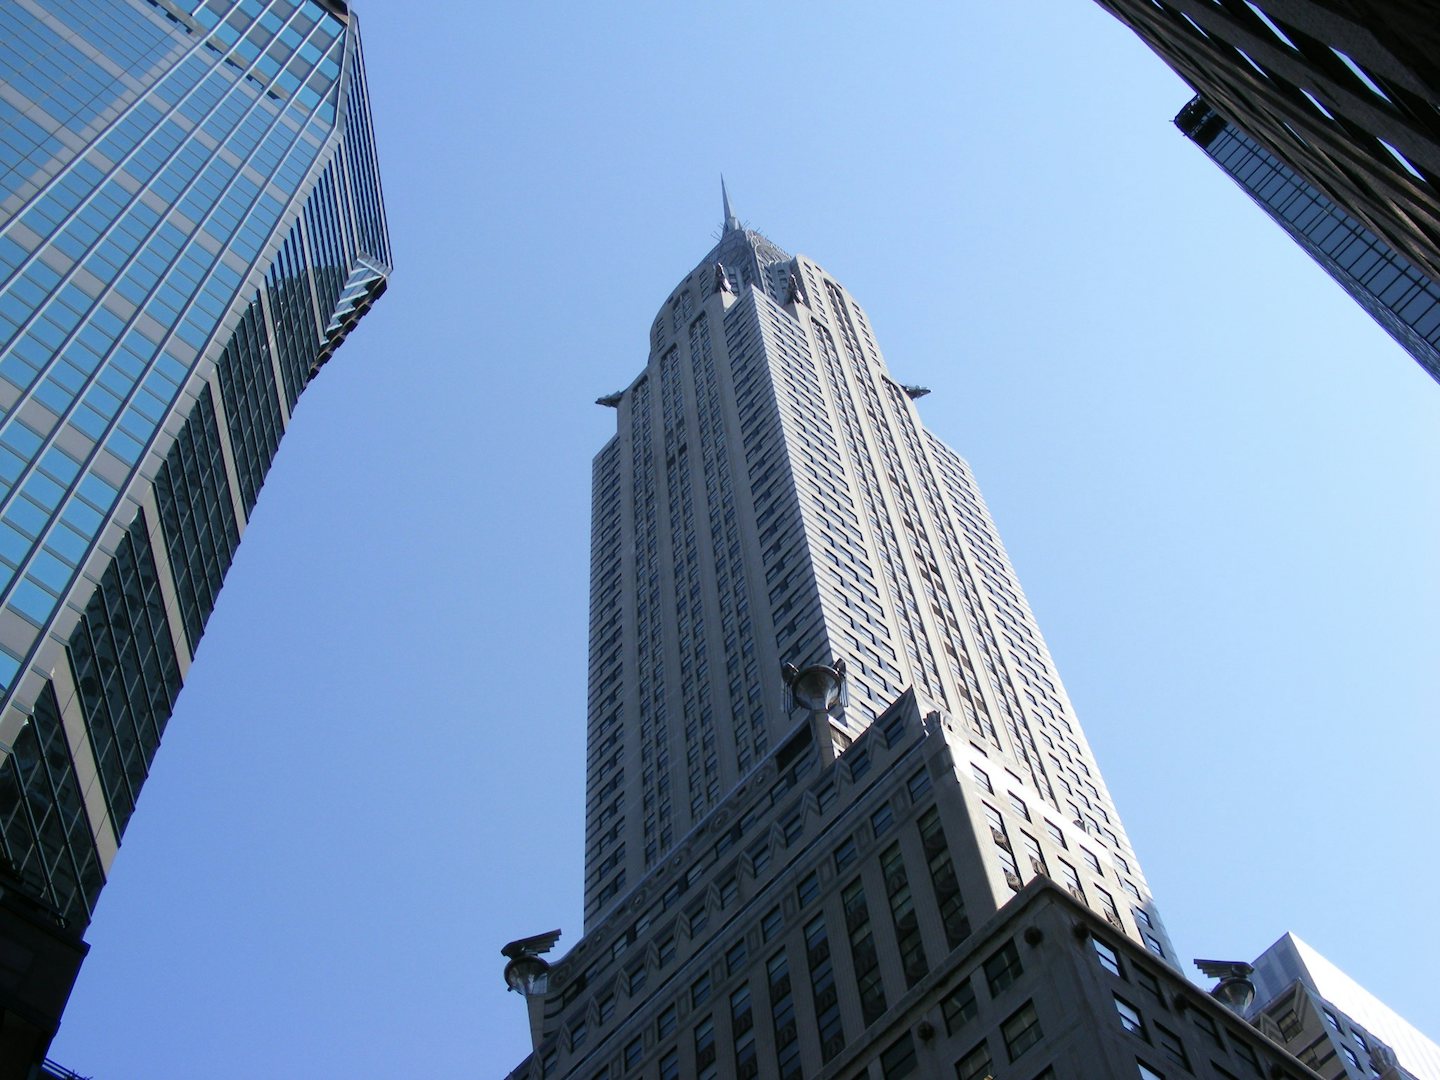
(837, 798)
(190, 224)
(773, 498)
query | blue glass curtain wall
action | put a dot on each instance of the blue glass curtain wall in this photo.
(119, 260)
(224, 205)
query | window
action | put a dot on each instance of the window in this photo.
(859, 763)
(902, 914)
(782, 1018)
(742, 1017)
(959, 1007)
(670, 1066)
(1151, 986)
(845, 854)
(808, 889)
(1033, 854)
(898, 1059)
(742, 1023)
(1147, 1073)
(735, 957)
(1107, 905)
(919, 784)
(634, 1051)
(1173, 1048)
(1245, 1054)
(772, 924)
(1130, 1018)
(705, 1068)
(577, 1035)
(942, 878)
(1070, 878)
(698, 918)
(982, 779)
(666, 1024)
(1350, 1056)
(1002, 968)
(700, 991)
(882, 819)
(865, 956)
(1019, 805)
(1021, 1030)
(1108, 957)
(823, 991)
(760, 857)
(1207, 1028)
(976, 1064)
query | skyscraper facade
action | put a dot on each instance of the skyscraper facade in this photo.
(840, 815)
(772, 498)
(1402, 299)
(190, 224)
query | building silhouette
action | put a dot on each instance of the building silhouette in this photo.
(1340, 97)
(841, 819)
(190, 224)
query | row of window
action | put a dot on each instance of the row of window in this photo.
(697, 917)
(1166, 1044)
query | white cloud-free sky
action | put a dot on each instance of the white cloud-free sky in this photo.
(1215, 476)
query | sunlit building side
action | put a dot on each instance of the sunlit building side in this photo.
(841, 818)
(190, 224)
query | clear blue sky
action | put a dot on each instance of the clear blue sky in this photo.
(1216, 478)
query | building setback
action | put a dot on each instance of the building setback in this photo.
(1341, 94)
(922, 872)
(1331, 1022)
(190, 224)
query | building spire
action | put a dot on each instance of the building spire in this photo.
(731, 221)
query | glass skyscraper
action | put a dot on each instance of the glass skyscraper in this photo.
(841, 819)
(190, 224)
(1341, 98)
(1397, 295)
